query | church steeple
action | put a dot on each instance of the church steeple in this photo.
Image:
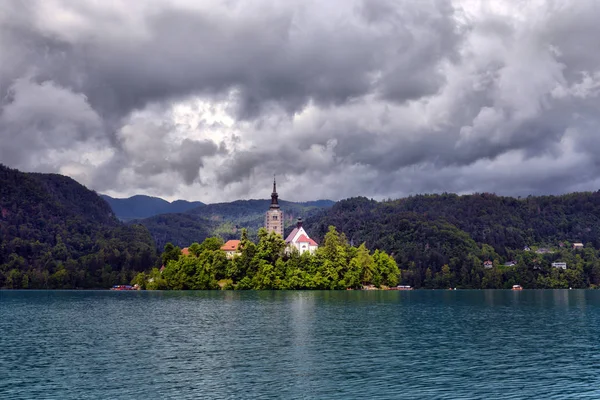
(274, 215)
(274, 195)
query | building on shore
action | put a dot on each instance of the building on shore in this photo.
(231, 248)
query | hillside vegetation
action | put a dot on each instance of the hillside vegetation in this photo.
(443, 240)
(182, 229)
(55, 233)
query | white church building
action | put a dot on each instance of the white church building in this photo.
(300, 240)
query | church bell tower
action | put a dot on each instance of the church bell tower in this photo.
(274, 216)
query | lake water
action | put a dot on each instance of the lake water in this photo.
(187, 345)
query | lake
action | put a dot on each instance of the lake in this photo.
(351, 344)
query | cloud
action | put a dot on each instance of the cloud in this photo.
(206, 100)
(38, 118)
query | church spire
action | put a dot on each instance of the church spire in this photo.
(274, 195)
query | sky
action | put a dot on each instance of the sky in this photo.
(207, 100)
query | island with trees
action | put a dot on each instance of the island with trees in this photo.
(266, 265)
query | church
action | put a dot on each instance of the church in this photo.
(298, 238)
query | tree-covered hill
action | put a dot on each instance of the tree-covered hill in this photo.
(139, 206)
(506, 222)
(427, 232)
(55, 233)
(502, 222)
(183, 229)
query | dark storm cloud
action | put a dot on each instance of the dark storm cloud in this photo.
(356, 97)
(268, 56)
(190, 158)
(37, 117)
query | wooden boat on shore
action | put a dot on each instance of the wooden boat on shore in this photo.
(517, 287)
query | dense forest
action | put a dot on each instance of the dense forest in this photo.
(265, 265)
(55, 233)
(443, 240)
(183, 229)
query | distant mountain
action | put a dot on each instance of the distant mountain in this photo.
(56, 233)
(251, 213)
(224, 220)
(140, 206)
(250, 210)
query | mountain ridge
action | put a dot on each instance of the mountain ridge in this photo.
(224, 220)
(143, 206)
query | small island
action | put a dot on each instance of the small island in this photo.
(270, 264)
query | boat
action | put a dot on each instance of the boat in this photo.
(517, 287)
(402, 287)
(125, 287)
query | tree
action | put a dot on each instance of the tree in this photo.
(211, 243)
(365, 263)
(140, 279)
(170, 253)
(195, 249)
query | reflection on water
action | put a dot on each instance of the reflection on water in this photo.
(349, 344)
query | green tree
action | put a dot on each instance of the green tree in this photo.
(365, 263)
(170, 253)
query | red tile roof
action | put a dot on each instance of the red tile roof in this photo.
(305, 239)
(185, 251)
(231, 245)
(302, 239)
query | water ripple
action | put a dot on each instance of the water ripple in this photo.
(265, 345)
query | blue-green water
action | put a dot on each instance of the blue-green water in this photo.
(187, 345)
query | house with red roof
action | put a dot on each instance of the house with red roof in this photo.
(231, 248)
(300, 240)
